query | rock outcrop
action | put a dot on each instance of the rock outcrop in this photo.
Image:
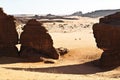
(36, 42)
(107, 35)
(8, 35)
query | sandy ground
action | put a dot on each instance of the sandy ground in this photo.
(76, 65)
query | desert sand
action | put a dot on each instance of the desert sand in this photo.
(75, 65)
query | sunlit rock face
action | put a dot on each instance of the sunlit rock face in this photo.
(36, 41)
(107, 36)
(8, 35)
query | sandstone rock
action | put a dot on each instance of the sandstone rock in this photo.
(110, 59)
(8, 34)
(107, 36)
(35, 36)
(111, 19)
(30, 54)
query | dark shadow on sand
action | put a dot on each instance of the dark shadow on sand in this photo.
(91, 67)
(85, 68)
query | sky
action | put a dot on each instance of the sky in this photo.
(56, 6)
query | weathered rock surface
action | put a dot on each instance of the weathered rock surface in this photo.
(35, 37)
(111, 19)
(8, 35)
(107, 35)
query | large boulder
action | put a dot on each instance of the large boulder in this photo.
(8, 35)
(36, 38)
(107, 36)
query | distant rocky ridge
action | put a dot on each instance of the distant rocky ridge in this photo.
(51, 16)
(58, 18)
(79, 13)
(45, 19)
(100, 13)
(97, 13)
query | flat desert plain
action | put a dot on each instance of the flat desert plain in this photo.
(77, 64)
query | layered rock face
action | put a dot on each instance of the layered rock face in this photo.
(36, 41)
(107, 35)
(8, 35)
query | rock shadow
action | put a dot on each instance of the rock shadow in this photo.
(85, 68)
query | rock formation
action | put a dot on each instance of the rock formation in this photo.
(8, 35)
(36, 42)
(107, 35)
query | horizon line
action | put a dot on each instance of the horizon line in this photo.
(61, 14)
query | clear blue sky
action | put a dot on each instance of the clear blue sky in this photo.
(56, 6)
